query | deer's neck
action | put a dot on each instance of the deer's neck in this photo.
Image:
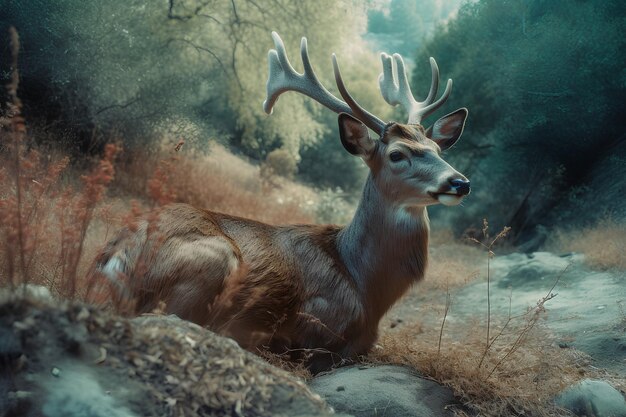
(385, 249)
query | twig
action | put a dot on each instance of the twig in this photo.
(315, 320)
(490, 254)
(532, 321)
(443, 322)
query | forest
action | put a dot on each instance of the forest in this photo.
(113, 110)
(544, 84)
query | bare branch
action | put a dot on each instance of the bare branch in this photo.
(199, 49)
(196, 12)
(117, 106)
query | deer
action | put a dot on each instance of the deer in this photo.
(315, 292)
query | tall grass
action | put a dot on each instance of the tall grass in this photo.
(603, 244)
(497, 366)
(34, 206)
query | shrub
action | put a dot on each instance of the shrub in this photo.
(511, 367)
(43, 223)
(603, 244)
(280, 162)
(333, 208)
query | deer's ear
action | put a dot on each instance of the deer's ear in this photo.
(447, 130)
(355, 136)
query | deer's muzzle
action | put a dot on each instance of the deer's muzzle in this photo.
(460, 185)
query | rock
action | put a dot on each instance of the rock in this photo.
(64, 399)
(30, 291)
(593, 398)
(527, 270)
(387, 390)
(10, 347)
(607, 347)
(271, 391)
(584, 312)
(80, 360)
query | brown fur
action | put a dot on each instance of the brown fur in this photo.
(299, 288)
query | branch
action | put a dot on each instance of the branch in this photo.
(196, 12)
(235, 11)
(120, 106)
(198, 49)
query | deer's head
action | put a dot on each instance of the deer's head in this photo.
(405, 161)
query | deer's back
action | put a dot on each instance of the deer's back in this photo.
(243, 278)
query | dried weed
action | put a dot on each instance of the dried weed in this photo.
(511, 366)
(604, 244)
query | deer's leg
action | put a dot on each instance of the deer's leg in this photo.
(193, 271)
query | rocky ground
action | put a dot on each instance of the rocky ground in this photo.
(587, 312)
(582, 313)
(70, 360)
(60, 359)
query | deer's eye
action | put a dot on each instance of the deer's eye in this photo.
(396, 156)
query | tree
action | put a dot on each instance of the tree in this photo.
(186, 67)
(544, 82)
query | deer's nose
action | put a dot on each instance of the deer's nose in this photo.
(461, 185)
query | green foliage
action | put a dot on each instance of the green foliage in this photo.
(281, 162)
(405, 24)
(327, 164)
(191, 68)
(545, 84)
(378, 22)
(333, 208)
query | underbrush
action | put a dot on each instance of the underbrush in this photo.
(452, 262)
(604, 244)
(496, 366)
(56, 215)
(516, 377)
(215, 180)
(55, 218)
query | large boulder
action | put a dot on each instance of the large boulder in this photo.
(593, 398)
(531, 271)
(383, 390)
(68, 359)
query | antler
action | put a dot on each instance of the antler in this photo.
(283, 77)
(400, 92)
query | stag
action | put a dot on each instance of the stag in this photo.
(318, 289)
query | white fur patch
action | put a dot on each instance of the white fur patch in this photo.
(449, 199)
(113, 268)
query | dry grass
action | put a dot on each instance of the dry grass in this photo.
(604, 244)
(238, 188)
(285, 361)
(452, 262)
(55, 216)
(518, 374)
(496, 367)
(216, 180)
(43, 218)
(522, 384)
